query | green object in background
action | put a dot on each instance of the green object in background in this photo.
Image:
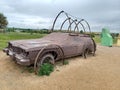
(106, 38)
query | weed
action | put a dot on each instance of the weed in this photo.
(30, 69)
(66, 62)
(45, 69)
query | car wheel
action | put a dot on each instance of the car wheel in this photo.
(47, 58)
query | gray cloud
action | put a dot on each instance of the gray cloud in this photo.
(41, 13)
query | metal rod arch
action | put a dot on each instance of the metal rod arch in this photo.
(81, 25)
(64, 23)
(57, 18)
(87, 25)
(73, 21)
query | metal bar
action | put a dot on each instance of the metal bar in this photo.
(57, 18)
(73, 21)
(81, 25)
(64, 23)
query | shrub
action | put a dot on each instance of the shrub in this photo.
(92, 35)
(45, 69)
(117, 34)
(81, 32)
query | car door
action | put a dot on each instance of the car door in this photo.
(80, 43)
(70, 47)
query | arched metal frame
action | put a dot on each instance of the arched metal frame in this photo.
(87, 25)
(71, 21)
(80, 24)
(57, 18)
(68, 19)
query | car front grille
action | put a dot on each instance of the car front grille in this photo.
(15, 49)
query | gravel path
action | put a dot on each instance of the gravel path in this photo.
(101, 72)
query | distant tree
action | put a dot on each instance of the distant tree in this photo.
(117, 34)
(81, 31)
(3, 21)
(92, 34)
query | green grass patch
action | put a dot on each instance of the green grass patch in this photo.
(29, 69)
(45, 69)
(66, 62)
(5, 37)
(97, 39)
(115, 40)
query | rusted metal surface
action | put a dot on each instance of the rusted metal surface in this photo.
(60, 45)
(24, 50)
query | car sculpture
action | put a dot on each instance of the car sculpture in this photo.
(54, 46)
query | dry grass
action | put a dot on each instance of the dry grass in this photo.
(101, 72)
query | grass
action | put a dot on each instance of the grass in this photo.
(5, 37)
(45, 69)
(115, 40)
(98, 40)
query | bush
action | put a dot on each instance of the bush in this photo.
(81, 32)
(92, 35)
(114, 35)
(45, 69)
(117, 34)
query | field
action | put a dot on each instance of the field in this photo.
(4, 38)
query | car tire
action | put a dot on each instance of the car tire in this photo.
(47, 58)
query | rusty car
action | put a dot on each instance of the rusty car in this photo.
(52, 47)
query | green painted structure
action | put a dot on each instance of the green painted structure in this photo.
(106, 38)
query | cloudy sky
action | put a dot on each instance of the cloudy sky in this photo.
(41, 13)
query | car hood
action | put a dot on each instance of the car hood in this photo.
(29, 45)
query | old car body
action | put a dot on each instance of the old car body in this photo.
(67, 42)
(60, 45)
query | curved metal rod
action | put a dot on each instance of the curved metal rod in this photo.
(57, 18)
(41, 51)
(36, 59)
(81, 25)
(87, 25)
(64, 23)
(73, 21)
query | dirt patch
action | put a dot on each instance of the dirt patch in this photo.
(101, 72)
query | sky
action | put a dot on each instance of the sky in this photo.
(38, 14)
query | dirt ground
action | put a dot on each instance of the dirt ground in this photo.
(101, 72)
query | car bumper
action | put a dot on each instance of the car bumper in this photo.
(17, 57)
